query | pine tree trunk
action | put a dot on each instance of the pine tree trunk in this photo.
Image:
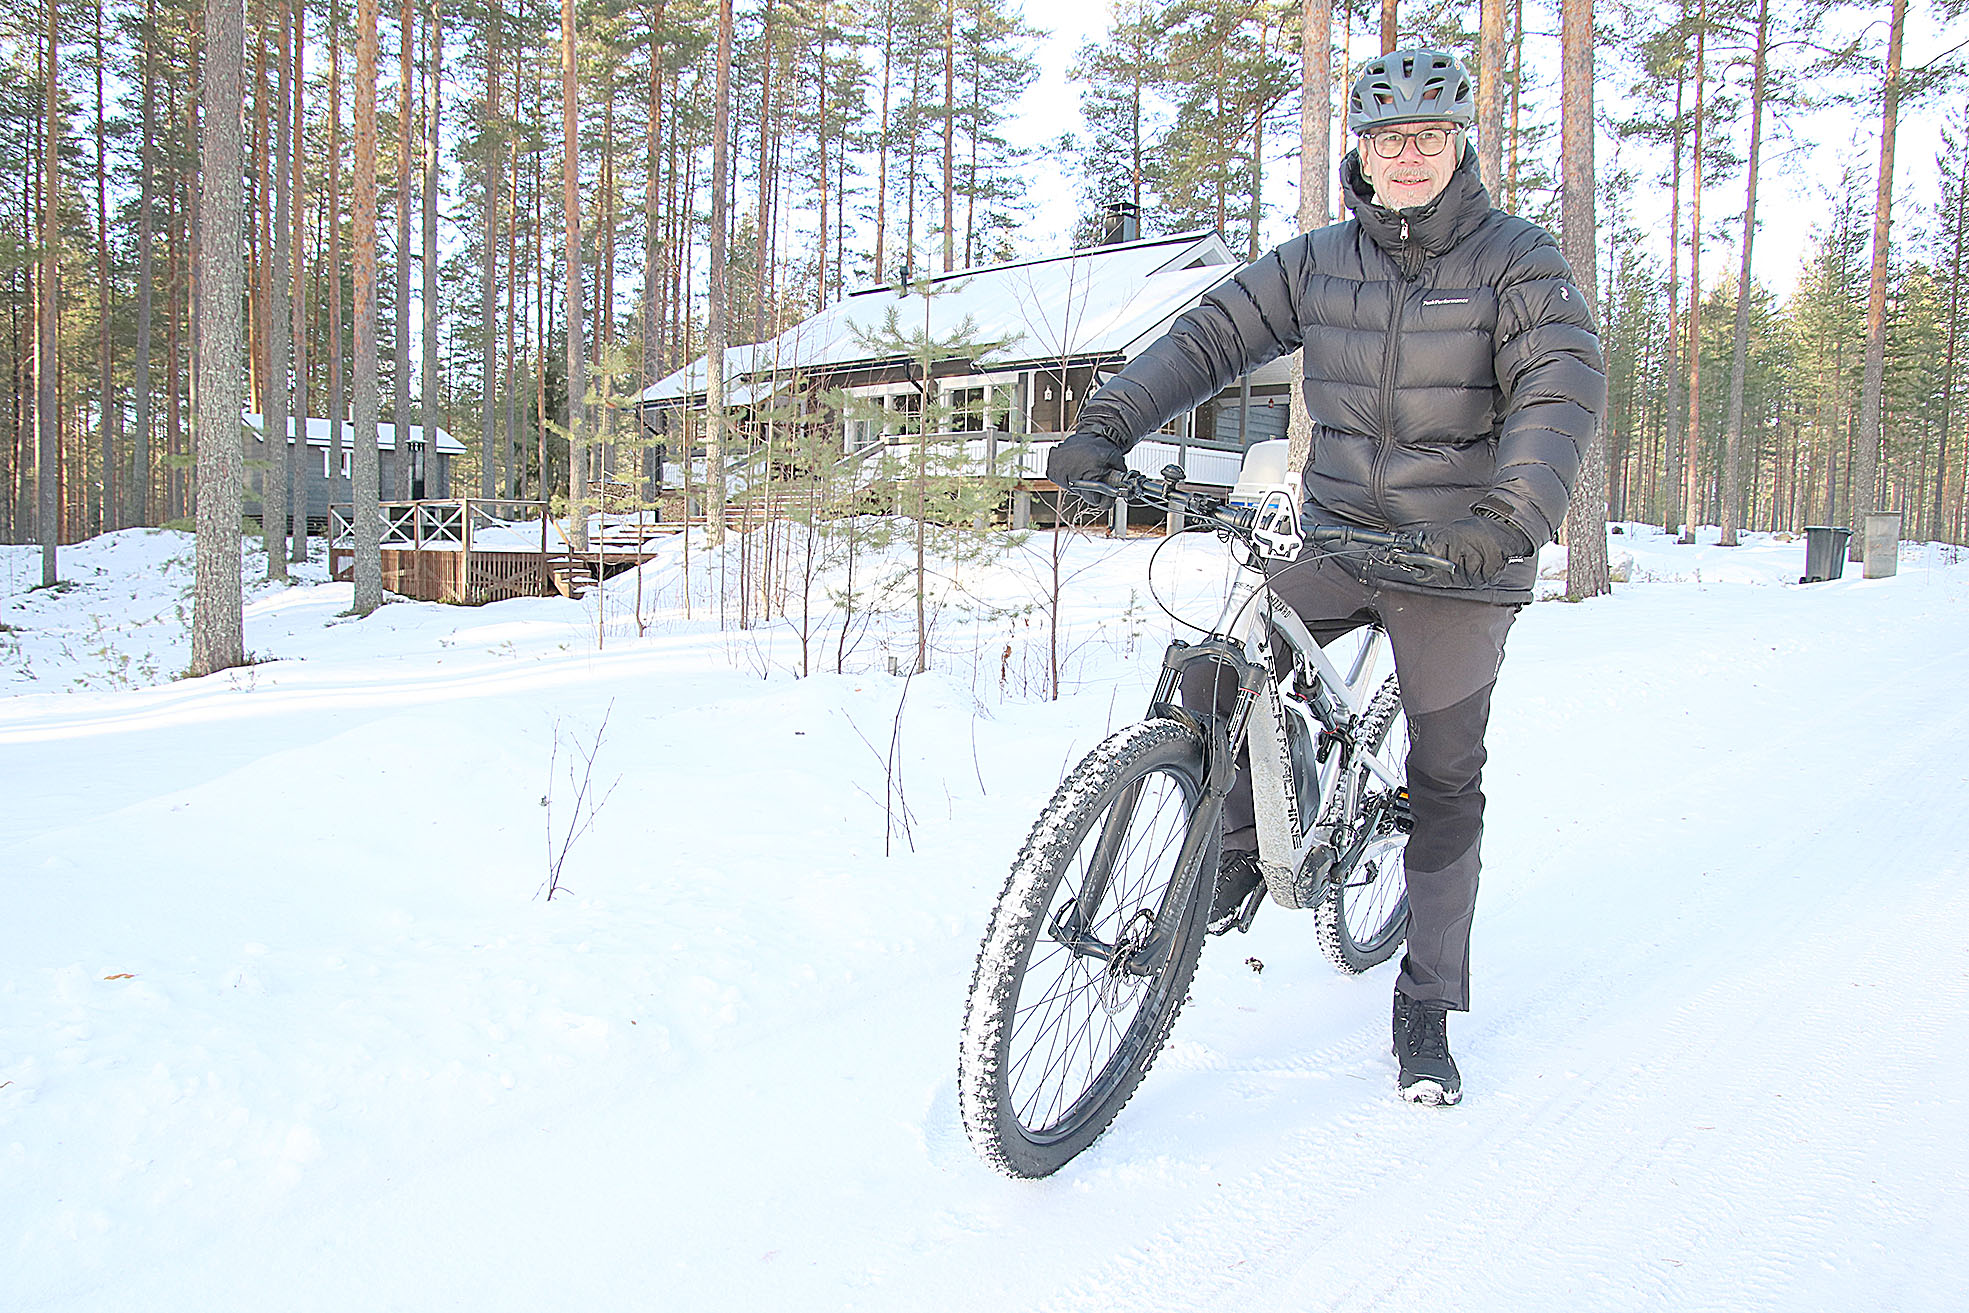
(140, 441)
(1672, 364)
(763, 245)
(515, 301)
(273, 425)
(1490, 93)
(949, 129)
(47, 407)
(1390, 28)
(1957, 208)
(1586, 515)
(1866, 473)
(106, 407)
(652, 230)
(337, 397)
(1740, 341)
(400, 391)
(430, 408)
(1692, 434)
(1517, 104)
(174, 300)
(297, 486)
(882, 142)
(1315, 147)
(489, 284)
(255, 222)
(577, 365)
(820, 142)
(366, 392)
(217, 640)
(715, 308)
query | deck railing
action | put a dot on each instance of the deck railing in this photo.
(453, 524)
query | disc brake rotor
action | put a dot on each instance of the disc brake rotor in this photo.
(1116, 987)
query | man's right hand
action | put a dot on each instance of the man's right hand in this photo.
(1084, 458)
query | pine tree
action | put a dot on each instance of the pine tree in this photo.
(1586, 516)
(217, 630)
(365, 388)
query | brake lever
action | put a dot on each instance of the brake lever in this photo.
(1423, 562)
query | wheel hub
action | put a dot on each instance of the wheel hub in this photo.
(1117, 986)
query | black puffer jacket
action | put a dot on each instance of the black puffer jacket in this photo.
(1450, 364)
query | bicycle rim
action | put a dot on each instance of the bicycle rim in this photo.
(1057, 1039)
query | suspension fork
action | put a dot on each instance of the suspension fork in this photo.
(1221, 736)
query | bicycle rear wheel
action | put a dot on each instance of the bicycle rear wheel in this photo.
(1074, 990)
(1363, 915)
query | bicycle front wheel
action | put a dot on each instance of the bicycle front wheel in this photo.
(1076, 986)
(1363, 916)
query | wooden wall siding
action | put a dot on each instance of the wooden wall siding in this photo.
(496, 576)
(454, 576)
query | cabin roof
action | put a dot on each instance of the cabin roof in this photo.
(321, 430)
(1103, 302)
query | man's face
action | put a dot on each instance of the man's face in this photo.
(1410, 178)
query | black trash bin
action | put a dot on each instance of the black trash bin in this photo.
(1825, 553)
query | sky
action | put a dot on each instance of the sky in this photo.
(1804, 154)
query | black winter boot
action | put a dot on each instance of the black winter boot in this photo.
(1428, 1073)
(1237, 876)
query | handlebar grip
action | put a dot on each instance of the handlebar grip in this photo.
(1093, 489)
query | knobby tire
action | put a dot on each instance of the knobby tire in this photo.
(1056, 1042)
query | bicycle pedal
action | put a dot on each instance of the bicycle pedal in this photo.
(1247, 912)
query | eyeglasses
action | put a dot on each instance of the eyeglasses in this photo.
(1389, 145)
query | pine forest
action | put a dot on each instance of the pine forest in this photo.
(445, 213)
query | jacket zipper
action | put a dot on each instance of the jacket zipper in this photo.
(1390, 353)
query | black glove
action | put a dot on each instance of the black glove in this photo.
(1084, 458)
(1477, 545)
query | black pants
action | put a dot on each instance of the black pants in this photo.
(1447, 653)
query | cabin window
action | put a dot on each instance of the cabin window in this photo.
(977, 409)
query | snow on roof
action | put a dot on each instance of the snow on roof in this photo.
(1105, 301)
(320, 431)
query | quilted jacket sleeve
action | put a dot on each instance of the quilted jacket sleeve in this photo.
(1241, 323)
(1553, 384)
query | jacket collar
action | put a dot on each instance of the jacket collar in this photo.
(1426, 229)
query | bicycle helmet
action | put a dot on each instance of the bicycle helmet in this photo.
(1411, 86)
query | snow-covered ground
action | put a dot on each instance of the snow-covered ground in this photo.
(285, 1022)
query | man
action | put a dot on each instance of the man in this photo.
(1454, 379)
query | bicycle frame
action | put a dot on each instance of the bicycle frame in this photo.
(1330, 707)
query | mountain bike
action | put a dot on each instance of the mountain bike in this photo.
(1090, 950)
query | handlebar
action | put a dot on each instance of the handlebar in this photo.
(1396, 547)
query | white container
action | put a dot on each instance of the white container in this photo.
(1265, 471)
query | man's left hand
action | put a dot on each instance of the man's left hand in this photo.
(1477, 545)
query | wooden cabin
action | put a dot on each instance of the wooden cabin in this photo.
(1065, 323)
(326, 481)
